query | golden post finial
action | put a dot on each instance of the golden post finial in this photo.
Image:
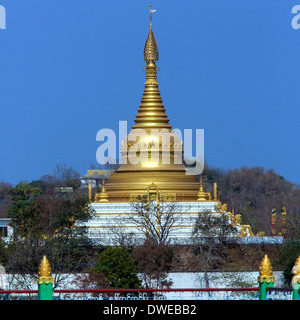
(296, 272)
(45, 271)
(265, 270)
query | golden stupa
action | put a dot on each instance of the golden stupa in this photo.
(152, 141)
(151, 122)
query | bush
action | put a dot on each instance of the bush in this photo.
(116, 269)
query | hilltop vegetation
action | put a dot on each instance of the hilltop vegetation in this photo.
(43, 218)
(251, 192)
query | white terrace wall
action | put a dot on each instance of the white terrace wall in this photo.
(181, 280)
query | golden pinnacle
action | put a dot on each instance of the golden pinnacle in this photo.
(45, 271)
(265, 270)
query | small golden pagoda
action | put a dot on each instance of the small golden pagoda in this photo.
(132, 180)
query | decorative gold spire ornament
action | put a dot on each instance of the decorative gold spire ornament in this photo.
(273, 222)
(283, 222)
(296, 272)
(151, 112)
(151, 47)
(215, 192)
(201, 193)
(265, 271)
(102, 196)
(151, 11)
(45, 271)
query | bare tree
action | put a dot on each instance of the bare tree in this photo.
(119, 237)
(211, 236)
(154, 261)
(253, 192)
(63, 173)
(157, 218)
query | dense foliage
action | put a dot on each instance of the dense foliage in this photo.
(117, 269)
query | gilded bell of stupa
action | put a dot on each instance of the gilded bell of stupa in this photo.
(158, 148)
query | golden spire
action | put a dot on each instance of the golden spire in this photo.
(45, 271)
(151, 113)
(265, 270)
(102, 196)
(151, 47)
(157, 155)
(202, 195)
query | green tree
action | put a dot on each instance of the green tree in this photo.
(22, 210)
(116, 269)
(3, 251)
(45, 214)
(286, 260)
(46, 223)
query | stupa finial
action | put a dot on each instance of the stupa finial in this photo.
(151, 112)
(151, 11)
(151, 47)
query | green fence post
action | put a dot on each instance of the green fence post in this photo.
(266, 278)
(296, 279)
(45, 280)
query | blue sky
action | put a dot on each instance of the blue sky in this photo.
(71, 68)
